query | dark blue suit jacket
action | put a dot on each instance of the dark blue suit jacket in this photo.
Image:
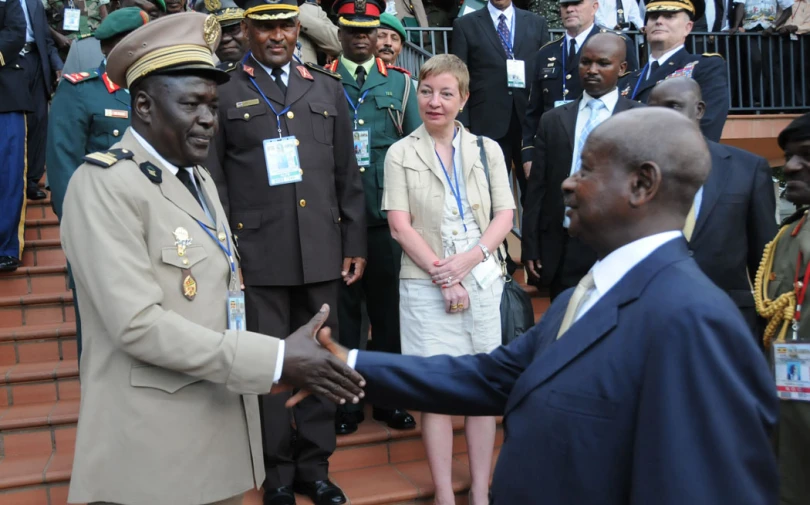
(657, 395)
(14, 94)
(48, 54)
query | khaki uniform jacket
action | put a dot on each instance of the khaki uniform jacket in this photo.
(318, 33)
(413, 184)
(168, 410)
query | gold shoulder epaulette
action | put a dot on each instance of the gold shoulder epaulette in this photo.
(227, 66)
(85, 35)
(322, 70)
(551, 42)
(106, 159)
(709, 55)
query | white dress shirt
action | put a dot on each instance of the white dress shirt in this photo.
(509, 12)
(663, 59)
(580, 40)
(285, 72)
(606, 14)
(610, 100)
(608, 271)
(173, 169)
(29, 31)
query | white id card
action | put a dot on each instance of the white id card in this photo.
(71, 22)
(793, 36)
(236, 311)
(362, 147)
(792, 371)
(487, 272)
(516, 73)
(558, 103)
(283, 163)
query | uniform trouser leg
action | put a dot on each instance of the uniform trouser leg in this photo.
(12, 183)
(510, 145)
(793, 451)
(299, 453)
(38, 118)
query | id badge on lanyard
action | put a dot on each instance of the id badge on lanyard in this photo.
(792, 371)
(362, 147)
(516, 73)
(282, 161)
(72, 18)
(235, 306)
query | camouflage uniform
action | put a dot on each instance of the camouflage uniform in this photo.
(88, 22)
(549, 9)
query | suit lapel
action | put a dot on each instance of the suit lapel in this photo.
(203, 175)
(622, 105)
(470, 153)
(569, 120)
(520, 27)
(374, 79)
(713, 186)
(346, 77)
(267, 85)
(426, 150)
(488, 29)
(673, 63)
(298, 86)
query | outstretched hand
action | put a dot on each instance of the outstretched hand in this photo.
(337, 350)
(312, 369)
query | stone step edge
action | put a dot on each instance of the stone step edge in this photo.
(41, 221)
(39, 372)
(40, 243)
(36, 299)
(31, 271)
(38, 332)
(61, 412)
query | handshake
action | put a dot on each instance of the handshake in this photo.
(315, 364)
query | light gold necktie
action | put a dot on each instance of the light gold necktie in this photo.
(689, 226)
(575, 303)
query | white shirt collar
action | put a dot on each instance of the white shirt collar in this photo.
(579, 38)
(151, 150)
(495, 14)
(285, 71)
(610, 99)
(612, 268)
(667, 55)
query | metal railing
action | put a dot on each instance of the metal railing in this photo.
(766, 74)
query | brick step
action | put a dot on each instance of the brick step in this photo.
(36, 309)
(37, 343)
(39, 209)
(34, 280)
(41, 252)
(45, 228)
(47, 381)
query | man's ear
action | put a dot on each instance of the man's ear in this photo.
(701, 110)
(645, 183)
(142, 106)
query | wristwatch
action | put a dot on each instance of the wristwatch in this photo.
(487, 254)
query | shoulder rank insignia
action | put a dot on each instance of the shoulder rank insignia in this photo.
(381, 67)
(626, 91)
(398, 69)
(151, 172)
(304, 72)
(106, 159)
(709, 55)
(80, 77)
(324, 70)
(227, 66)
(686, 71)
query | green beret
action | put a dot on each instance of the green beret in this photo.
(391, 22)
(120, 22)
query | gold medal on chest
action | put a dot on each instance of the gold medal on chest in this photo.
(189, 285)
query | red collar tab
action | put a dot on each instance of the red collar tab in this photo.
(304, 72)
(248, 69)
(381, 67)
(111, 86)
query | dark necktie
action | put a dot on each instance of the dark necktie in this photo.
(277, 72)
(360, 76)
(505, 35)
(653, 68)
(572, 51)
(185, 178)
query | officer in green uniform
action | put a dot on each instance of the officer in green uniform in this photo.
(65, 28)
(780, 293)
(88, 113)
(234, 42)
(382, 106)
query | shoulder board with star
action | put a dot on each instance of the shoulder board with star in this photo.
(398, 69)
(323, 70)
(85, 36)
(710, 55)
(80, 77)
(552, 42)
(227, 66)
(108, 158)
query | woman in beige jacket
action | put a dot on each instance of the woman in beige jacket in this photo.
(438, 202)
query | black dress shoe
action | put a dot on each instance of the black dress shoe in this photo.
(35, 193)
(322, 492)
(9, 263)
(345, 423)
(396, 419)
(280, 496)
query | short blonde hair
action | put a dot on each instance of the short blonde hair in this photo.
(447, 64)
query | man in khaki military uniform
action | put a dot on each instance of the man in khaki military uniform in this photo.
(318, 33)
(780, 293)
(169, 414)
(234, 42)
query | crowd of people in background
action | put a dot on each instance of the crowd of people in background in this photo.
(325, 173)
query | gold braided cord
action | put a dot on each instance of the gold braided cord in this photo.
(671, 7)
(271, 7)
(373, 23)
(779, 312)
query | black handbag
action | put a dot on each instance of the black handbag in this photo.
(517, 313)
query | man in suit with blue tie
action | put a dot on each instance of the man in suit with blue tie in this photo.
(641, 386)
(733, 215)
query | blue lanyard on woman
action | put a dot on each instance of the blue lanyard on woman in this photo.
(638, 82)
(359, 103)
(226, 251)
(508, 43)
(455, 190)
(278, 114)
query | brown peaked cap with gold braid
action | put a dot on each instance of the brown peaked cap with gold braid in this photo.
(178, 44)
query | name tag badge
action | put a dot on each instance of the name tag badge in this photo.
(557, 103)
(792, 371)
(122, 114)
(362, 147)
(71, 22)
(516, 73)
(283, 163)
(236, 311)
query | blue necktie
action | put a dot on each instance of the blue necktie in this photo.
(595, 106)
(505, 35)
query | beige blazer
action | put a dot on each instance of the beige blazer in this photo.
(168, 411)
(413, 184)
(317, 33)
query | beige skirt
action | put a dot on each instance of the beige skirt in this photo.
(427, 330)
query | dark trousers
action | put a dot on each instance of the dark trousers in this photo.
(300, 453)
(379, 287)
(38, 118)
(12, 183)
(575, 261)
(511, 146)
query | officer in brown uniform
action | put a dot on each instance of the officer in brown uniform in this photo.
(780, 293)
(285, 164)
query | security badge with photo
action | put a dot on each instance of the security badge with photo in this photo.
(188, 284)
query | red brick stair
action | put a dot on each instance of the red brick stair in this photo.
(39, 397)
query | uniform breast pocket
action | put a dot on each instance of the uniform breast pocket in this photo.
(106, 131)
(384, 125)
(244, 125)
(549, 73)
(323, 121)
(192, 256)
(417, 175)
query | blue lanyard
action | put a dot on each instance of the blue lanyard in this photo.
(455, 190)
(638, 82)
(359, 103)
(508, 43)
(278, 114)
(227, 241)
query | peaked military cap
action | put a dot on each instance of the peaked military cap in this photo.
(226, 11)
(182, 43)
(798, 129)
(392, 23)
(358, 13)
(121, 22)
(269, 9)
(695, 8)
